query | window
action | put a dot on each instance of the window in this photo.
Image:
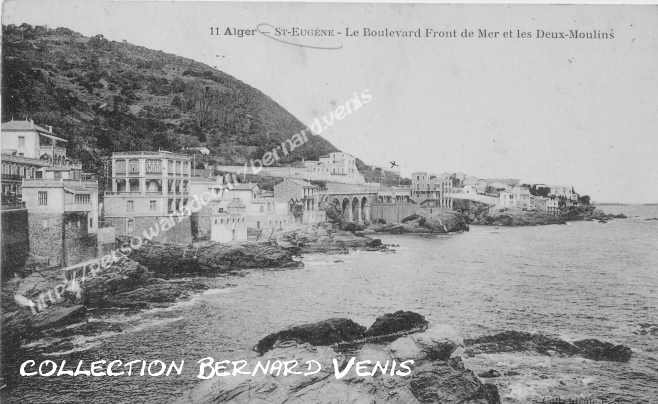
(91, 222)
(131, 225)
(120, 166)
(21, 142)
(133, 166)
(153, 205)
(82, 199)
(130, 206)
(43, 198)
(153, 166)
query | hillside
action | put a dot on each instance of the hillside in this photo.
(105, 95)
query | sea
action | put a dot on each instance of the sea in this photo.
(573, 281)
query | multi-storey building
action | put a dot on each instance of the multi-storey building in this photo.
(60, 203)
(62, 219)
(336, 167)
(14, 170)
(431, 191)
(301, 198)
(25, 138)
(518, 197)
(228, 221)
(147, 186)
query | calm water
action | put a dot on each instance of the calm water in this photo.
(582, 280)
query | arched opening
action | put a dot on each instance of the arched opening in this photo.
(356, 210)
(365, 210)
(346, 210)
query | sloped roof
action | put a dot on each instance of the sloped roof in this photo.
(29, 126)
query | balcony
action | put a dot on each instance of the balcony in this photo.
(78, 207)
(12, 205)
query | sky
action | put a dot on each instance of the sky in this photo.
(556, 111)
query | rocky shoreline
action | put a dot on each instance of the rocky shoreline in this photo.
(479, 214)
(438, 372)
(150, 276)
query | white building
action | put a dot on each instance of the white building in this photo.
(228, 221)
(518, 197)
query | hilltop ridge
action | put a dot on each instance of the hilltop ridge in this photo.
(105, 96)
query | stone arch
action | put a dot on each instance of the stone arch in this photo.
(356, 210)
(365, 210)
(346, 210)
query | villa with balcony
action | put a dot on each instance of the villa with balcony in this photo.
(147, 186)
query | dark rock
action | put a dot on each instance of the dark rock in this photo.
(155, 291)
(489, 373)
(603, 351)
(123, 276)
(515, 341)
(55, 316)
(325, 332)
(450, 382)
(439, 222)
(399, 321)
(323, 238)
(170, 260)
(351, 226)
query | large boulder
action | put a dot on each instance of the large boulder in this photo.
(603, 351)
(392, 323)
(325, 332)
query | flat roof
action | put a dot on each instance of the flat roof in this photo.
(161, 153)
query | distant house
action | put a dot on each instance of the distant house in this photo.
(26, 139)
(431, 190)
(199, 149)
(228, 221)
(301, 198)
(518, 197)
(62, 219)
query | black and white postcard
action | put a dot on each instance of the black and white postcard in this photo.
(307, 202)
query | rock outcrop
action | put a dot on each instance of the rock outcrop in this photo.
(433, 377)
(516, 341)
(171, 260)
(518, 218)
(346, 331)
(324, 238)
(440, 222)
(396, 322)
(325, 332)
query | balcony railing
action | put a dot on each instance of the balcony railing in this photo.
(77, 207)
(11, 205)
